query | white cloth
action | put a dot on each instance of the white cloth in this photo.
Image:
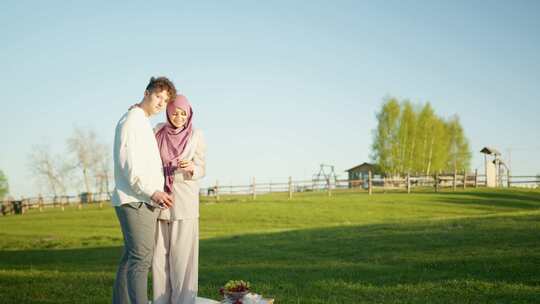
(186, 187)
(205, 301)
(175, 266)
(138, 170)
(200, 300)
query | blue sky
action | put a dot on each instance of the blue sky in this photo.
(277, 87)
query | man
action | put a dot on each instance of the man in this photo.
(138, 193)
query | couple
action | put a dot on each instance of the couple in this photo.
(156, 198)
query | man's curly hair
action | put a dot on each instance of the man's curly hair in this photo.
(158, 84)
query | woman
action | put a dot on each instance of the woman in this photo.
(175, 264)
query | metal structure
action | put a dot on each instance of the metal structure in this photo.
(326, 175)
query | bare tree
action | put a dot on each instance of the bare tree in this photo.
(102, 168)
(82, 144)
(52, 171)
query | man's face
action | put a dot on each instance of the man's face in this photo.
(156, 101)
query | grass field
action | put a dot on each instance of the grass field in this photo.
(477, 246)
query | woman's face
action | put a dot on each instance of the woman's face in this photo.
(178, 118)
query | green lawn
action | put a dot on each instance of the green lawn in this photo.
(477, 246)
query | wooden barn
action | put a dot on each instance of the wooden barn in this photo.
(358, 175)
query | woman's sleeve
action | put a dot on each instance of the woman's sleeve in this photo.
(199, 159)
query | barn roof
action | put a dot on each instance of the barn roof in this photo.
(360, 166)
(490, 151)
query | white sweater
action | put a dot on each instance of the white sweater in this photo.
(138, 171)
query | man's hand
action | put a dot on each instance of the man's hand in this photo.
(163, 199)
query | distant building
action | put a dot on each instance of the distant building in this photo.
(493, 169)
(358, 175)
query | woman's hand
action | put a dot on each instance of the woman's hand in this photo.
(187, 166)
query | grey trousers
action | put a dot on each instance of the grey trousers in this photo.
(138, 223)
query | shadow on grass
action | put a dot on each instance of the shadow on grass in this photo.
(514, 198)
(472, 260)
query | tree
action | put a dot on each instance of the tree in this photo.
(438, 151)
(385, 146)
(426, 120)
(413, 139)
(84, 147)
(102, 167)
(54, 172)
(4, 186)
(459, 152)
(407, 136)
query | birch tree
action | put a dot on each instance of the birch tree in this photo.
(459, 151)
(413, 139)
(438, 150)
(385, 146)
(407, 136)
(425, 134)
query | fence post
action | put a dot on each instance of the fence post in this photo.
(508, 178)
(436, 182)
(328, 187)
(408, 183)
(216, 190)
(254, 189)
(476, 178)
(454, 181)
(464, 179)
(370, 186)
(23, 204)
(40, 202)
(290, 188)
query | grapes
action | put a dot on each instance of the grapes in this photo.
(236, 286)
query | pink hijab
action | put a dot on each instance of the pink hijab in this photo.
(172, 141)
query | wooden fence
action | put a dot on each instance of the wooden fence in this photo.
(22, 205)
(371, 184)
